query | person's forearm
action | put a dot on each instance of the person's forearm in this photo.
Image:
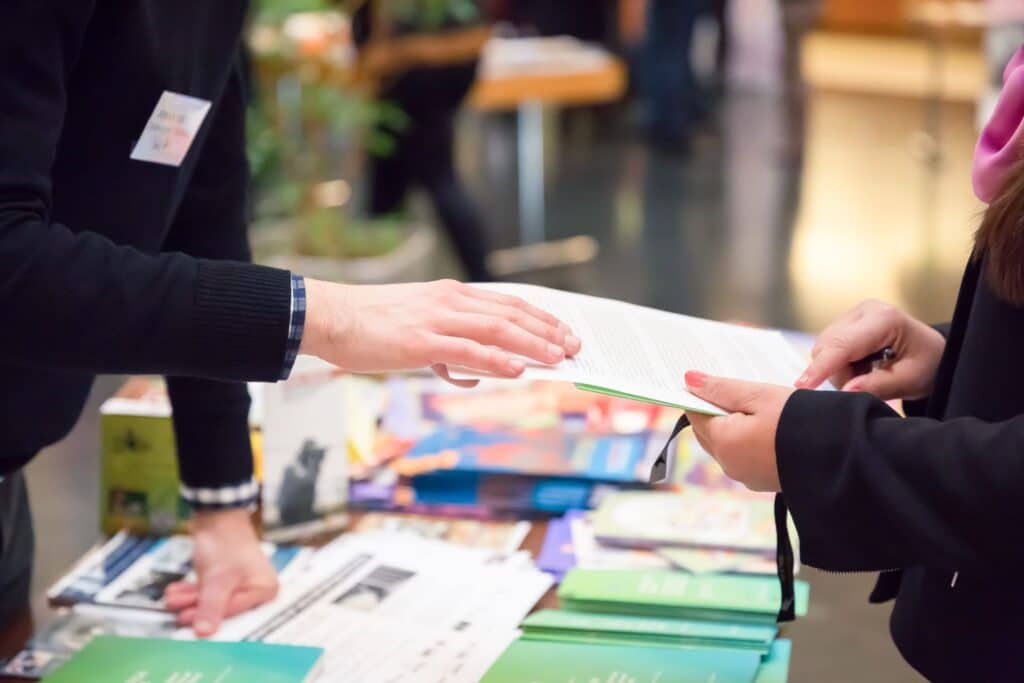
(328, 317)
(870, 490)
(79, 302)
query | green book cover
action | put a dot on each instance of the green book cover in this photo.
(676, 594)
(555, 624)
(693, 516)
(552, 662)
(140, 490)
(139, 485)
(113, 659)
(775, 667)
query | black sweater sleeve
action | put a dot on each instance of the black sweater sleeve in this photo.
(870, 490)
(211, 424)
(75, 300)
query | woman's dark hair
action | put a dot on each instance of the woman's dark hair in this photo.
(1000, 238)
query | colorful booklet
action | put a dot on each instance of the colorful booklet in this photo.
(692, 517)
(500, 536)
(113, 659)
(616, 629)
(591, 554)
(540, 661)
(505, 494)
(660, 593)
(548, 452)
(557, 555)
(140, 491)
(713, 561)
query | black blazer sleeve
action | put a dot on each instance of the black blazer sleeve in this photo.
(211, 423)
(870, 490)
(75, 300)
(919, 407)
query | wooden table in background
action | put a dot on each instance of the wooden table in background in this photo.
(528, 94)
(526, 90)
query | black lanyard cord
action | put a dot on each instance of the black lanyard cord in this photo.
(784, 560)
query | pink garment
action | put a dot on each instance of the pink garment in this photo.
(1001, 143)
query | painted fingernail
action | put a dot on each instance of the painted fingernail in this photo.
(695, 379)
(516, 366)
(555, 351)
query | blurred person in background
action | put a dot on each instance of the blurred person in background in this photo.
(424, 60)
(932, 500)
(674, 98)
(798, 17)
(587, 20)
(124, 250)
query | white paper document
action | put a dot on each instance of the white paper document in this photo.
(644, 353)
(394, 607)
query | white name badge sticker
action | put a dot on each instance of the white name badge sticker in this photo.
(171, 128)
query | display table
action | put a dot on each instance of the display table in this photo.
(14, 635)
(525, 76)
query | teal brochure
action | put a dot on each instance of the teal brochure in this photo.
(113, 659)
(552, 662)
(775, 667)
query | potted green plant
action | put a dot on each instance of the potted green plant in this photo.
(306, 130)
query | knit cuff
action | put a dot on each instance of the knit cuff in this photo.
(242, 313)
(242, 495)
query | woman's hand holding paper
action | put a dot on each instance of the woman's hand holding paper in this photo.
(868, 328)
(743, 442)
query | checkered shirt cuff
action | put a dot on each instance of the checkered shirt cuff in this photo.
(296, 325)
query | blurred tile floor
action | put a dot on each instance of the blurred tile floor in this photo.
(767, 220)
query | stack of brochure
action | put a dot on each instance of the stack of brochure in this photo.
(653, 625)
(510, 449)
(698, 530)
(623, 629)
(673, 594)
(556, 662)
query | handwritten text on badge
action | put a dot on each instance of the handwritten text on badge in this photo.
(171, 129)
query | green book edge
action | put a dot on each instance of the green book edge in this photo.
(558, 621)
(643, 399)
(567, 596)
(775, 667)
